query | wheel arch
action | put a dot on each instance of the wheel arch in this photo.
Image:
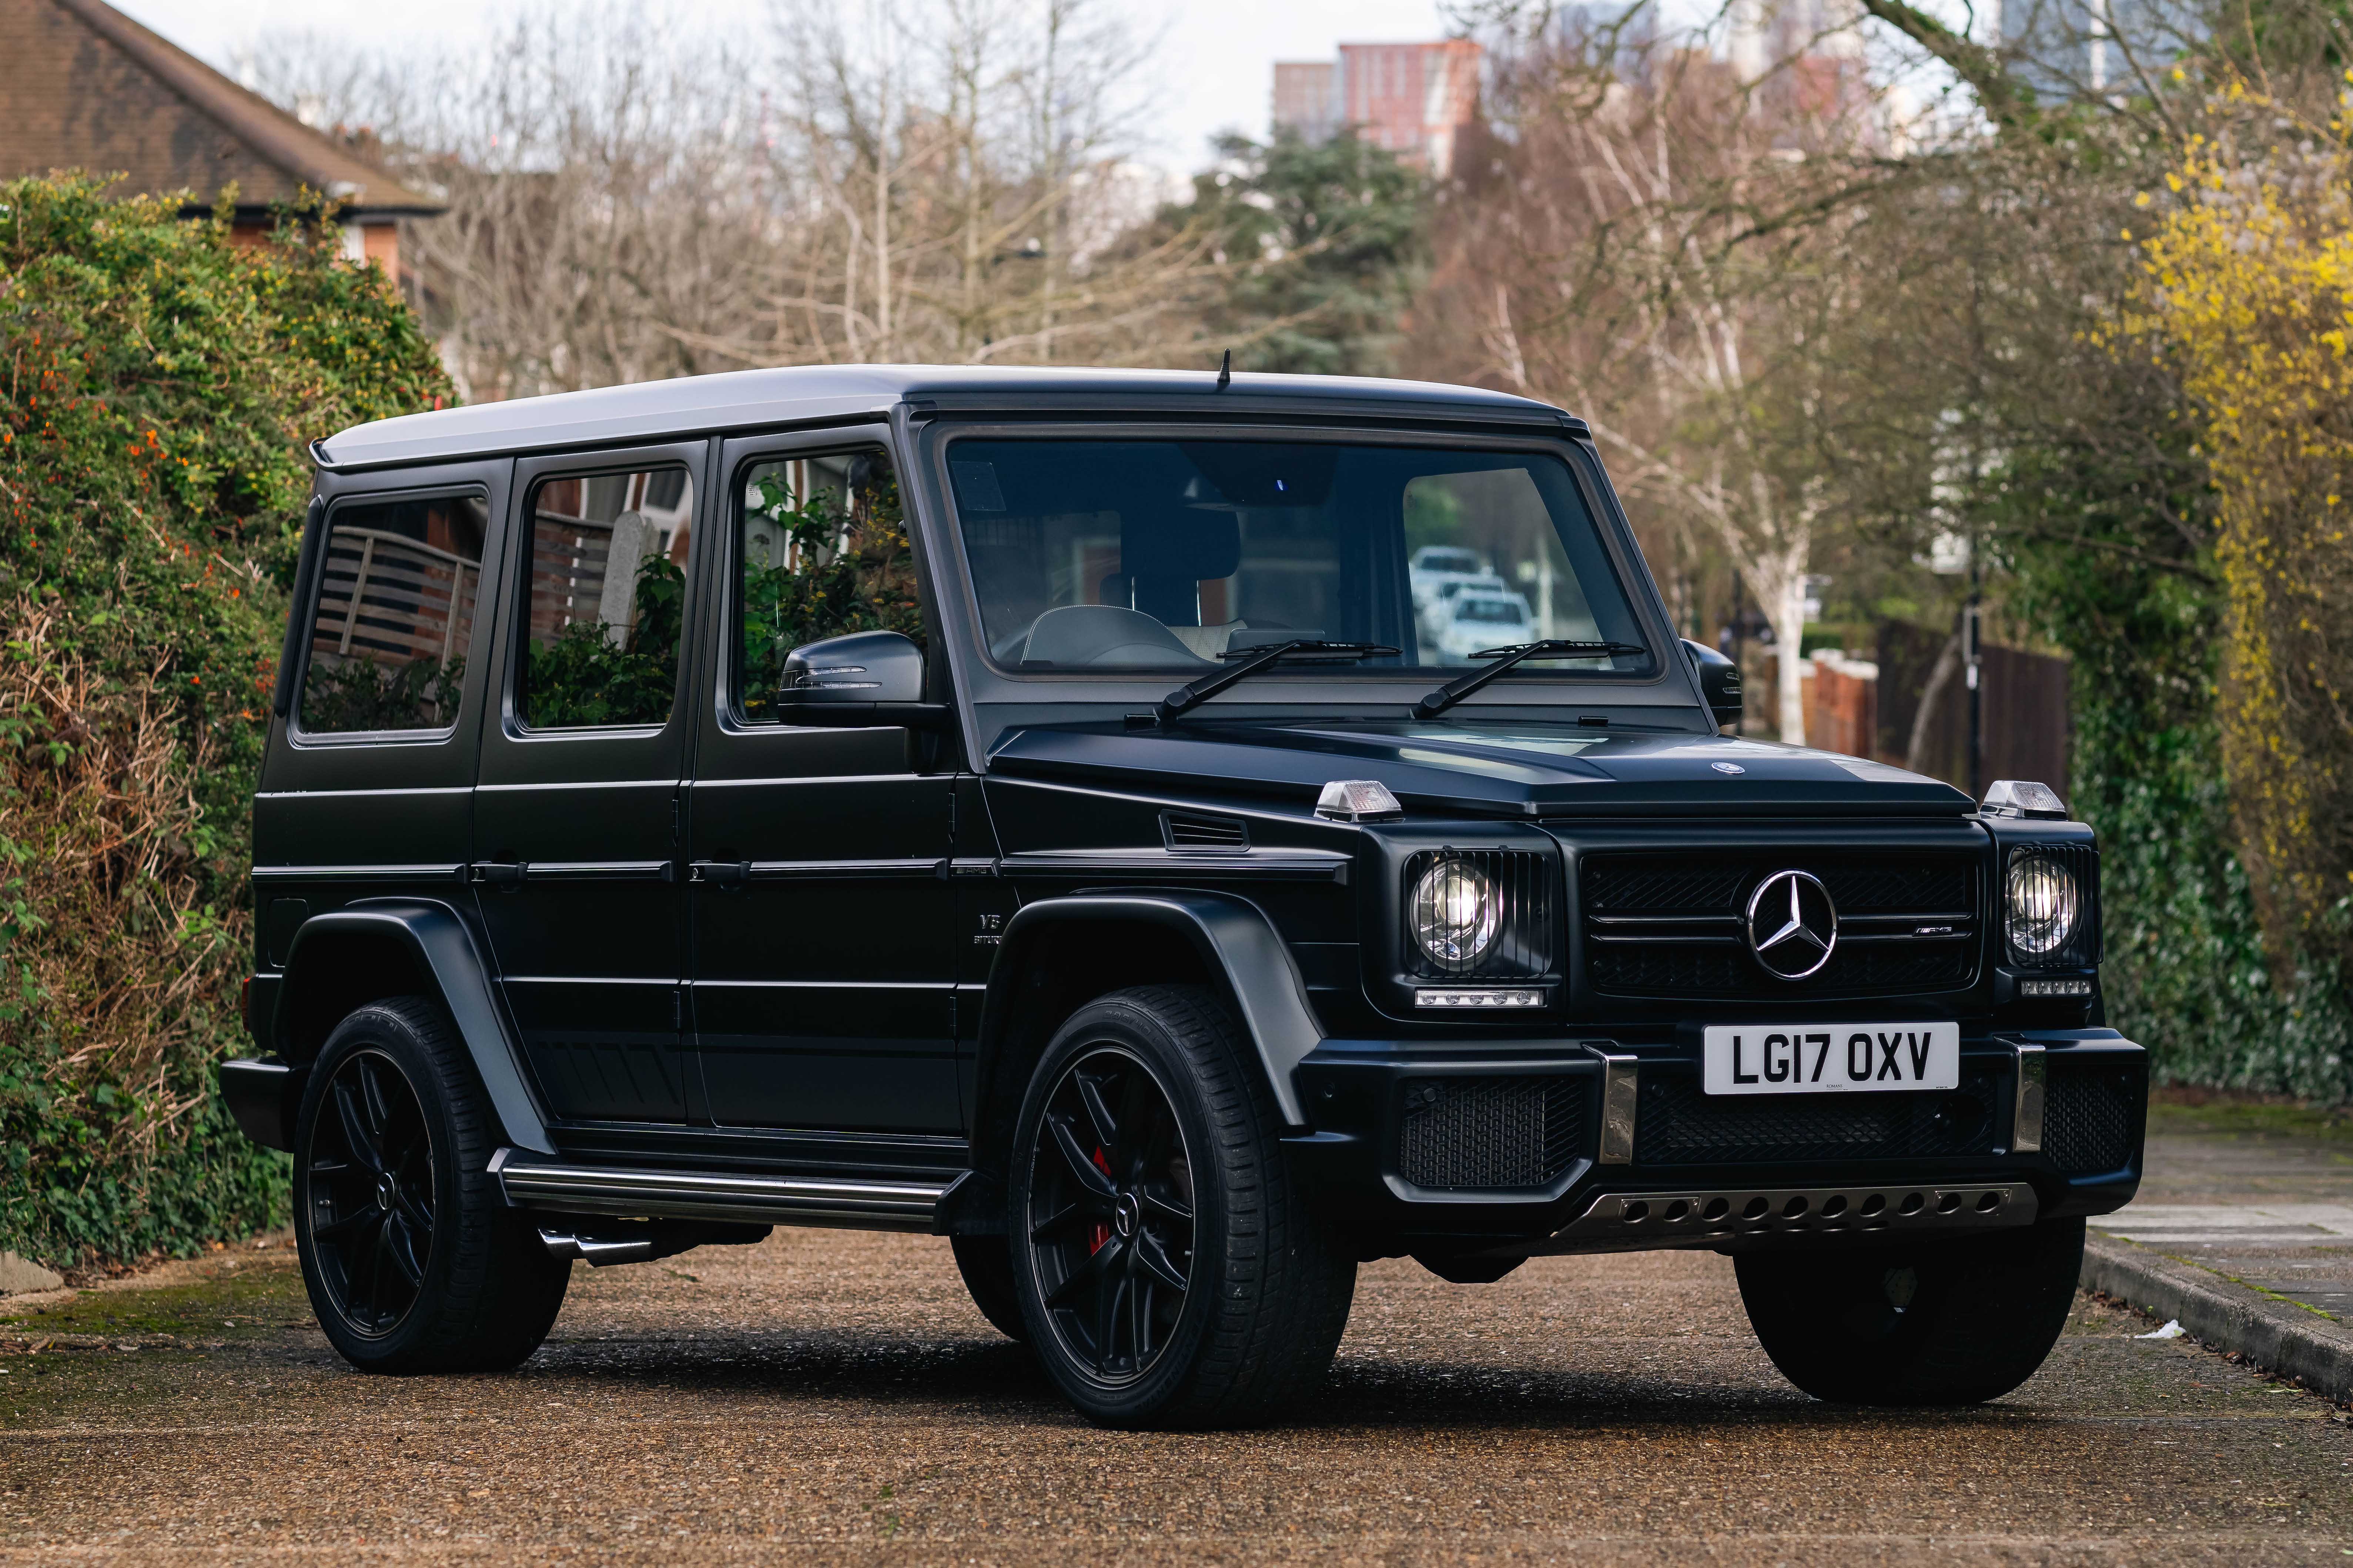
(397, 947)
(1059, 953)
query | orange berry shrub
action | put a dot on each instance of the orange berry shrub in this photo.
(158, 387)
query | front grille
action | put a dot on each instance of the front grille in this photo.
(1672, 925)
(1677, 1123)
(1489, 1133)
(2087, 1117)
(1523, 946)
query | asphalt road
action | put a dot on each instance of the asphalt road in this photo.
(832, 1397)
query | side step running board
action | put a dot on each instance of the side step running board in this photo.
(530, 1181)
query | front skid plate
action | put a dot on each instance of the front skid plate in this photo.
(1757, 1218)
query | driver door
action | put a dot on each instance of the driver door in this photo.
(823, 987)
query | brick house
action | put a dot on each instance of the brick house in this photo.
(85, 86)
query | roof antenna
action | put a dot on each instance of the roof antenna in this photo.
(1225, 371)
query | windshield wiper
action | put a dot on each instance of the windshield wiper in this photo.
(1186, 698)
(1455, 692)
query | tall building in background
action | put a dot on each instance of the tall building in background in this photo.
(1411, 99)
(1307, 98)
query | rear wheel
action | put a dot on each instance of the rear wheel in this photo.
(1955, 1322)
(411, 1261)
(1167, 1269)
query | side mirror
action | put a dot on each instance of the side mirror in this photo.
(867, 679)
(1719, 681)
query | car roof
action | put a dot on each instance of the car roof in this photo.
(816, 395)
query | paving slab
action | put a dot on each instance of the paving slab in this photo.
(2256, 1192)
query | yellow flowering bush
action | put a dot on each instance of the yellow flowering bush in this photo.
(2249, 289)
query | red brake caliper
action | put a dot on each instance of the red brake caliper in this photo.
(1101, 1232)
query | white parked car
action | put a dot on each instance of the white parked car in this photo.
(1433, 568)
(1481, 619)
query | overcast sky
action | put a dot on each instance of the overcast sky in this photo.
(1219, 62)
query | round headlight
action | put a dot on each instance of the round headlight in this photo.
(1456, 915)
(2043, 904)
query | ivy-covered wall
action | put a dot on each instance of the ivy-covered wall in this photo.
(158, 387)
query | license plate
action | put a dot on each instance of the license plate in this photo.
(1821, 1058)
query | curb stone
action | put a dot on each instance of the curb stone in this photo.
(22, 1275)
(2277, 1336)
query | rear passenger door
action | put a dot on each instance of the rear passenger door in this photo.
(578, 808)
(824, 989)
(372, 768)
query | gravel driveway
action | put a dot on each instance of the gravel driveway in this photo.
(832, 1397)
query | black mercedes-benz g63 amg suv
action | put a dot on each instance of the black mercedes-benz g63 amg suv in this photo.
(1178, 836)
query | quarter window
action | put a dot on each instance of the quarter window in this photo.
(821, 550)
(607, 578)
(395, 615)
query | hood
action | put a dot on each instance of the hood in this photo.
(1516, 769)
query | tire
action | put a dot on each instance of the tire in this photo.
(1169, 1271)
(986, 1264)
(413, 1263)
(1957, 1322)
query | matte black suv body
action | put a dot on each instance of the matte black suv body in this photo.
(791, 946)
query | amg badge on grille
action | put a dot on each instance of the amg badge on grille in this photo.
(1792, 925)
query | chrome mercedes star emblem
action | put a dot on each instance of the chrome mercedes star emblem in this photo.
(1792, 925)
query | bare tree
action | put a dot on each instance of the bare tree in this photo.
(954, 182)
(1656, 246)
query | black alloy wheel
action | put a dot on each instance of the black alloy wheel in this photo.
(410, 1256)
(373, 1203)
(1111, 1215)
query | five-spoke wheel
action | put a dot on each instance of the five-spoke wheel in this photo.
(1111, 1215)
(413, 1262)
(370, 1164)
(1167, 1270)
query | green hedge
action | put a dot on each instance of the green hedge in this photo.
(159, 383)
(2188, 972)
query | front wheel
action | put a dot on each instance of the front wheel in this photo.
(1169, 1271)
(411, 1262)
(1955, 1322)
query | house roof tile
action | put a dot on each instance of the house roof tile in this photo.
(85, 86)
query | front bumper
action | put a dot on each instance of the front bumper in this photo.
(1585, 1145)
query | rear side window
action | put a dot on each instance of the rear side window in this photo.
(606, 612)
(395, 615)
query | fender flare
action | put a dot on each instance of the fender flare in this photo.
(1234, 939)
(443, 949)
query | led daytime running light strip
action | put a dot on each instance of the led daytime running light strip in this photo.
(1494, 996)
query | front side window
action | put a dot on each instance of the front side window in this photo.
(1177, 555)
(821, 550)
(608, 602)
(398, 586)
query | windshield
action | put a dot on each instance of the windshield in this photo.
(1175, 554)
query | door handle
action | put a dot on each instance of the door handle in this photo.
(721, 873)
(505, 874)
